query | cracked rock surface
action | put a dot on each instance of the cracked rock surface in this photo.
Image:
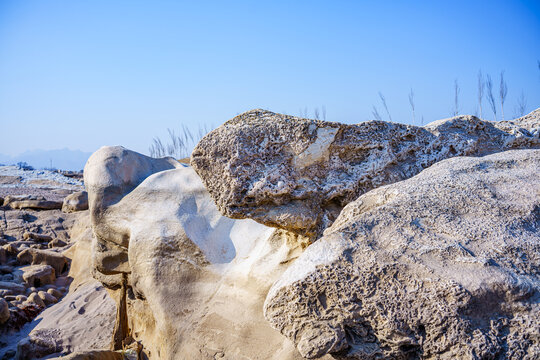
(298, 174)
(444, 265)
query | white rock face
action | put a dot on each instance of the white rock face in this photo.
(444, 265)
(109, 174)
(196, 281)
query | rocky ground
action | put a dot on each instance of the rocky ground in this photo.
(375, 241)
(285, 238)
(34, 234)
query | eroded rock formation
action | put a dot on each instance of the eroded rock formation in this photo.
(78, 201)
(298, 174)
(443, 265)
(81, 321)
(188, 282)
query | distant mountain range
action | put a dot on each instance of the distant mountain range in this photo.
(62, 159)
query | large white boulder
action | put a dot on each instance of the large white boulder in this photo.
(444, 265)
(194, 281)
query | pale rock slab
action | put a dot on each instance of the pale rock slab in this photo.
(82, 321)
(444, 265)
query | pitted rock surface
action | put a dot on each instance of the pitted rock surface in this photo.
(444, 265)
(298, 174)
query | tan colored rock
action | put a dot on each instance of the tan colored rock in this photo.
(194, 281)
(4, 311)
(36, 299)
(11, 249)
(44, 257)
(109, 174)
(28, 235)
(94, 355)
(47, 298)
(51, 223)
(38, 275)
(441, 266)
(31, 202)
(57, 294)
(298, 174)
(84, 319)
(56, 243)
(78, 201)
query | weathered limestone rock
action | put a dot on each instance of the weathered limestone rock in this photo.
(109, 174)
(13, 288)
(38, 275)
(444, 265)
(298, 174)
(78, 201)
(56, 243)
(47, 298)
(28, 235)
(57, 294)
(81, 321)
(44, 257)
(40, 224)
(36, 299)
(195, 281)
(31, 202)
(529, 122)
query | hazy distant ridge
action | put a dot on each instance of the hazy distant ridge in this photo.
(64, 159)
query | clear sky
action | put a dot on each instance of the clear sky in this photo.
(82, 74)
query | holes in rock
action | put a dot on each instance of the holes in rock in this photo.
(28, 217)
(133, 294)
(322, 300)
(359, 334)
(37, 283)
(409, 348)
(421, 331)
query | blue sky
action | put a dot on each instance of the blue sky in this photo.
(82, 74)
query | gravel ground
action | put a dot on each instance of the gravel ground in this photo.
(49, 184)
